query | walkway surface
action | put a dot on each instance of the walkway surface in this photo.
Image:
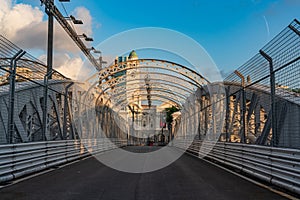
(187, 178)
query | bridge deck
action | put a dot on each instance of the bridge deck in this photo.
(187, 178)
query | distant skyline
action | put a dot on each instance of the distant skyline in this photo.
(230, 31)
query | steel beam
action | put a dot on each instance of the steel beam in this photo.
(66, 109)
(50, 39)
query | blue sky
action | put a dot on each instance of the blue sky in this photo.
(230, 31)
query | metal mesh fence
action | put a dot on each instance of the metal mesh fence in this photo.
(28, 67)
(22, 91)
(272, 94)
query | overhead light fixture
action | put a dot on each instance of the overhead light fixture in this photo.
(91, 49)
(94, 50)
(86, 38)
(75, 21)
(97, 51)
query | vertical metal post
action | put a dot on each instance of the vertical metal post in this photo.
(45, 102)
(50, 4)
(227, 115)
(273, 101)
(50, 37)
(199, 116)
(12, 81)
(66, 107)
(243, 106)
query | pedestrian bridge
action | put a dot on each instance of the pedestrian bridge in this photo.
(146, 128)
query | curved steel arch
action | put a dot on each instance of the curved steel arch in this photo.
(153, 85)
(124, 102)
(123, 97)
(120, 89)
(153, 90)
(163, 95)
(123, 79)
(160, 64)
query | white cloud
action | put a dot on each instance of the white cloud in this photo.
(24, 25)
(70, 66)
(84, 14)
(16, 17)
(67, 65)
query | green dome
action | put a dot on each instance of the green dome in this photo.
(133, 55)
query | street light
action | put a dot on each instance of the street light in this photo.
(86, 38)
(148, 88)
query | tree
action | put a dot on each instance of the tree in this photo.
(169, 118)
(169, 112)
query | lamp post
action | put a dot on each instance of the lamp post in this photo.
(50, 36)
(148, 88)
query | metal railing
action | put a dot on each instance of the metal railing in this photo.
(17, 160)
(277, 166)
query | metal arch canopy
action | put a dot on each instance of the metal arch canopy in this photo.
(156, 97)
(160, 88)
(181, 70)
(164, 95)
(160, 91)
(113, 89)
(147, 79)
(171, 80)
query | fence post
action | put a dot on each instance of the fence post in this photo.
(293, 28)
(11, 107)
(273, 100)
(227, 115)
(243, 138)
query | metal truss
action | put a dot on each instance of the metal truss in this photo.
(28, 114)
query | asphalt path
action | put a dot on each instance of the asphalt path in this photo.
(187, 178)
